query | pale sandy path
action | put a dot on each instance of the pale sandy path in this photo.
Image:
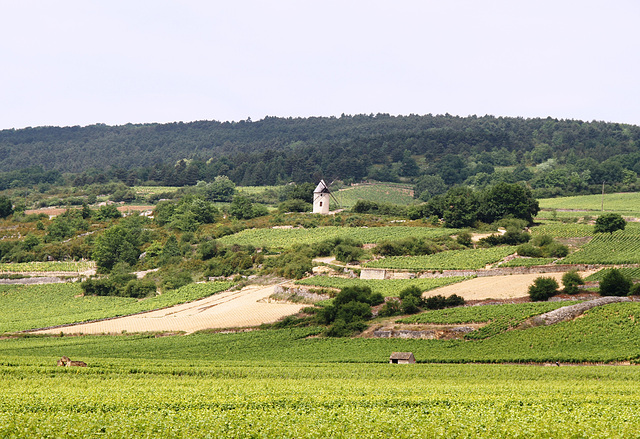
(225, 310)
(495, 287)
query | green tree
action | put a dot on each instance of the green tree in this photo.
(543, 288)
(508, 200)
(408, 166)
(113, 246)
(6, 207)
(615, 283)
(571, 280)
(429, 185)
(460, 207)
(609, 223)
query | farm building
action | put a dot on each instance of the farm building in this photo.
(401, 358)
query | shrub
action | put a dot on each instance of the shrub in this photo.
(555, 250)
(464, 238)
(614, 283)
(139, 288)
(390, 308)
(295, 205)
(609, 223)
(543, 288)
(454, 300)
(571, 280)
(411, 305)
(635, 290)
(529, 250)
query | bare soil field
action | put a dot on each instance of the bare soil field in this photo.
(230, 309)
(495, 287)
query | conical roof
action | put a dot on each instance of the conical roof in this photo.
(321, 188)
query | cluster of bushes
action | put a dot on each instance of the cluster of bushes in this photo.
(415, 246)
(411, 301)
(609, 223)
(296, 262)
(187, 214)
(120, 283)
(364, 206)
(543, 246)
(544, 288)
(242, 208)
(615, 283)
(350, 309)
(228, 260)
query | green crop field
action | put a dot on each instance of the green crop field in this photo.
(499, 317)
(283, 238)
(575, 230)
(387, 287)
(44, 267)
(620, 202)
(620, 247)
(38, 306)
(379, 192)
(604, 334)
(630, 272)
(118, 399)
(253, 190)
(559, 230)
(448, 260)
(281, 383)
(528, 262)
(152, 190)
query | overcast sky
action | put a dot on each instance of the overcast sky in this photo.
(82, 62)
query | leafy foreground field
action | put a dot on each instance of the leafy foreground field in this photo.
(280, 383)
(186, 399)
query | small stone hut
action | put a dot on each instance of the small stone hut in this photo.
(401, 358)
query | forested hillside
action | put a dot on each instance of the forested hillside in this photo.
(434, 152)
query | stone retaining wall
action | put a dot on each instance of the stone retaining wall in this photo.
(571, 312)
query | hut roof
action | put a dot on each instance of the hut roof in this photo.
(401, 355)
(321, 188)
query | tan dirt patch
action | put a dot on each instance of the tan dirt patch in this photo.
(225, 310)
(495, 287)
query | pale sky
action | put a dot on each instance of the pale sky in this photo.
(82, 62)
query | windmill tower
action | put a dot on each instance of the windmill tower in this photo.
(321, 197)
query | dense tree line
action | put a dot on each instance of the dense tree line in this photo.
(437, 152)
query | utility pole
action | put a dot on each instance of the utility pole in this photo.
(602, 207)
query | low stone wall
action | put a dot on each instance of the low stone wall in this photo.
(505, 271)
(429, 334)
(571, 312)
(373, 273)
(300, 292)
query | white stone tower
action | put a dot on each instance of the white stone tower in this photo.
(321, 196)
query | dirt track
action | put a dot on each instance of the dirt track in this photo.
(494, 287)
(224, 310)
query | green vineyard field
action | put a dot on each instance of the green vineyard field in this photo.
(448, 260)
(43, 267)
(620, 247)
(283, 238)
(117, 399)
(38, 306)
(387, 287)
